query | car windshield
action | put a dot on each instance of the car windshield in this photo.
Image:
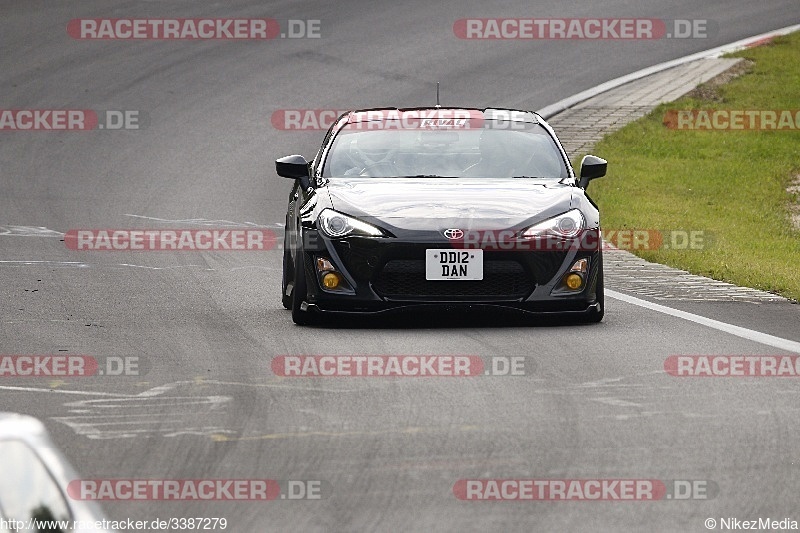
(495, 150)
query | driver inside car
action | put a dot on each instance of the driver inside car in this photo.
(496, 160)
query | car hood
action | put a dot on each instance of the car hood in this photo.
(436, 203)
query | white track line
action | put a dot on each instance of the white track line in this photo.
(66, 391)
(749, 334)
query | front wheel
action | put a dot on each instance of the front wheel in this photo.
(300, 317)
(286, 299)
(597, 316)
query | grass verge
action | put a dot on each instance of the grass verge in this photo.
(730, 185)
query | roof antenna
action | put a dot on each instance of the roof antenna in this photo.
(437, 96)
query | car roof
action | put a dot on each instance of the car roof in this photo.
(488, 113)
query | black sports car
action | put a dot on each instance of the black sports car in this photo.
(450, 207)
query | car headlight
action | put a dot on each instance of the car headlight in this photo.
(334, 224)
(566, 225)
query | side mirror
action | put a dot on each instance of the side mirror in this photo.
(292, 166)
(591, 167)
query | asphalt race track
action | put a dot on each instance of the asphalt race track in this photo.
(594, 403)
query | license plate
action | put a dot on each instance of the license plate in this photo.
(454, 265)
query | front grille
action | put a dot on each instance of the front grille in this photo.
(502, 279)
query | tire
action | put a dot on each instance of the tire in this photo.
(288, 266)
(593, 317)
(286, 300)
(300, 317)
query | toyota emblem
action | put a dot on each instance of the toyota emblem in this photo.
(453, 234)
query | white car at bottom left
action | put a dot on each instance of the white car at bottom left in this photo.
(34, 476)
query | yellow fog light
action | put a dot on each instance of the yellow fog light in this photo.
(574, 281)
(331, 280)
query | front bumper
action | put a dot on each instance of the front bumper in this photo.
(388, 274)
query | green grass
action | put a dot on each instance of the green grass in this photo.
(729, 184)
